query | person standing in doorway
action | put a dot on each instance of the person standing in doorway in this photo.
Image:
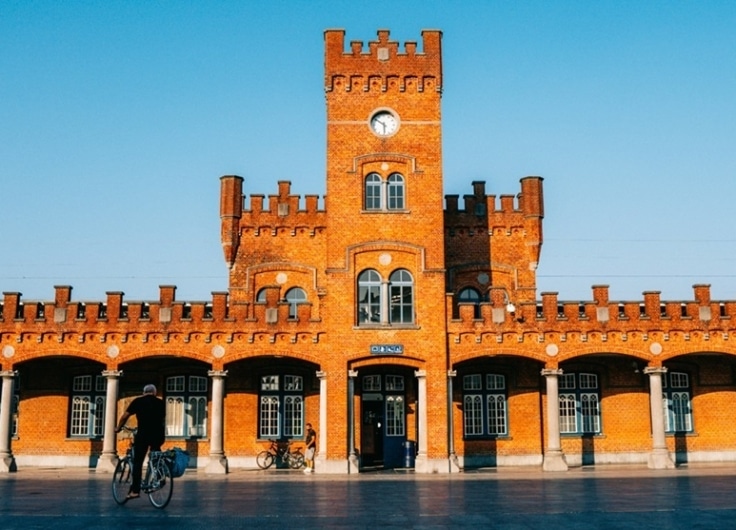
(150, 412)
(311, 441)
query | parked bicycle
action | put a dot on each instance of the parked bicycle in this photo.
(158, 482)
(281, 450)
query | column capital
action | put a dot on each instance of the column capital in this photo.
(451, 373)
(420, 374)
(112, 374)
(352, 373)
(649, 370)
(321, 374)
(9, 373)
(217, 373)
(552, 371)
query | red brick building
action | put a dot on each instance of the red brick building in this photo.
(406, 327)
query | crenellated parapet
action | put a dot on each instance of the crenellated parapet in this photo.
(597, 315)
(282, 214)
(502, 234)
(165, 320)
(383, 66)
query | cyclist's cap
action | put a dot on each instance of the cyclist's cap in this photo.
(149, 389)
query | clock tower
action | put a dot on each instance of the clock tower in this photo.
(384, 157)
(385, 296)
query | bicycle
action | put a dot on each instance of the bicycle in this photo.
(158, 483)
(281, 450)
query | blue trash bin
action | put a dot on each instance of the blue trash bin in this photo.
(409, 454)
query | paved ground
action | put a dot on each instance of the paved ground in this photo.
(621, 497)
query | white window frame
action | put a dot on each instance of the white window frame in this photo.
(579, 403)
(676, 402)
(186, 406)
(87, 407)
(281, 411)
(485, 408)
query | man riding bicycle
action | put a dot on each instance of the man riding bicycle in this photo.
(150, 412)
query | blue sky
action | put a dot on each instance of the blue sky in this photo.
(118, 118)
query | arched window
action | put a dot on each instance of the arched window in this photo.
(396, 192)
(369, 297)
(373, 185)
(470, 296)
(261, 297)
(402, 296)
(294, 297)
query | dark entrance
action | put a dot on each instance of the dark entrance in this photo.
(383, 421)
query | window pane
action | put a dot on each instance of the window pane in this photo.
(197, 384)
(495, 382)
(394, 382)
(396, 192)
(175, 384)
(292, 383)
(402, 299)
(681, 411)
(567, 381)
(372, 383)
(98, 417)
(568, 418)
(496, 414)
(589, 412)
(82, 383)
(80, 415)
(269, 417)
(270, 382)
(588, 381)
(175, 416)
(294, 297)
(394, 416)
(373, 192)
(197, 416)
(369, 297)
(473, 415)
(293, 416)
(472, 382)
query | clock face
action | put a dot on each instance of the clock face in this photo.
(384, 123)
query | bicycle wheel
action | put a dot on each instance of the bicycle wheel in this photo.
(264, 459)
(161, 486)
(296, 460)
(122, 478)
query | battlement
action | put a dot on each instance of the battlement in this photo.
(64, 315)
(600, 314)
(281, 214)
(384, 66)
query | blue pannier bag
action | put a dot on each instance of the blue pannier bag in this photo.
(180, 462)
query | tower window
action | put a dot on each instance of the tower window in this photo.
(385, 195)
(294, 297)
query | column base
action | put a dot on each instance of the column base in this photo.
(554, 461)
(353, 464)
(106, 463)
(454, 464)
(660, 459)
(7, 464)
(217, 465)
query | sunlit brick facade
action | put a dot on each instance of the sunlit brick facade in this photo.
(404, 325)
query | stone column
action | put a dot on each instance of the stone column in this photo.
(7, 460)
(109, 457)
(554, 459)
(454, 465)
(353, 462)
(421, 462)
(217, 464)
(321, 458)
(659, 458)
